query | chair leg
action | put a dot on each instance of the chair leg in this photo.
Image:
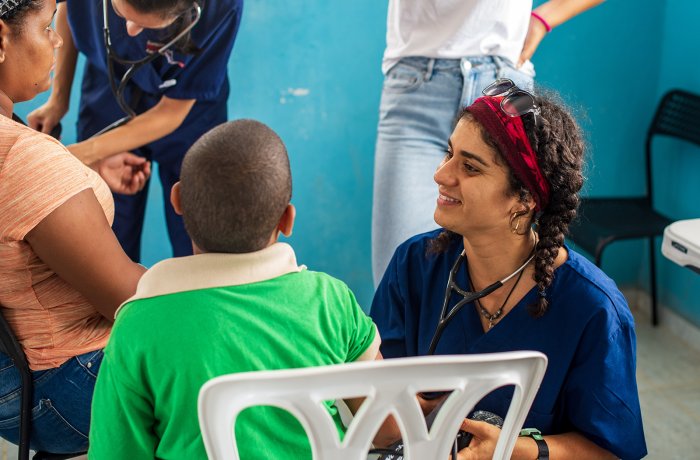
(26, 412)
(652, 278)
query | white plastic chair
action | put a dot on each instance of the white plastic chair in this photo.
(390, 387)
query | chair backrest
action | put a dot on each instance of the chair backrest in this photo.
(390, 387)
(12, 348)
(678, 115)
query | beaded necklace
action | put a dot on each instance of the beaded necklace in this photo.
(492, 319)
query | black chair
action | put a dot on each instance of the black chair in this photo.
(604, 220)
(11, 347)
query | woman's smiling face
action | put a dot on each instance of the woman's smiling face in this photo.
(474, 191)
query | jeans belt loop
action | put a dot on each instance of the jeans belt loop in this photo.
(429, 70)
(499, 63)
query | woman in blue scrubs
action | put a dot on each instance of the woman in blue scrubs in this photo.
(176, 97)
(507, 191)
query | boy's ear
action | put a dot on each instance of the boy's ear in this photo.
(287, 220)
(175, 198)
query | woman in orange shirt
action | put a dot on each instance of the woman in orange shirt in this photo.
(62, 272)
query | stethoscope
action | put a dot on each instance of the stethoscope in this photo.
(134, 65)
(467, 296)
(446, 317)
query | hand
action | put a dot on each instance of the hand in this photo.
(46, 117)
(483, 444)
(124, 173)
(535, 34)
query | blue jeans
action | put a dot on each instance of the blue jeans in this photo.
(60, 407)
(421, 99)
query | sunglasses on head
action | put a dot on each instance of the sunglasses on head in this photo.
(516, 102)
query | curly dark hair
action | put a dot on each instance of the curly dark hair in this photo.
(559, 145)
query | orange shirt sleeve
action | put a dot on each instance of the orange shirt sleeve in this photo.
(38, 175)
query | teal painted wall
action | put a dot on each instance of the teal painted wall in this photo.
(311, 70)
(608, 70)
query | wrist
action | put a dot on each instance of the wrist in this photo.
(542, 21)
(84, 152)
(542, 449)
(525, 449)
(59, 101)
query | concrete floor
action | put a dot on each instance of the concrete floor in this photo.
(668, 377)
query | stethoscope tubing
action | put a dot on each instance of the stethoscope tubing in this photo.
(134, 65)
(118, 90)
(467, 297)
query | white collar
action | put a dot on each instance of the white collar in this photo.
(211, 270)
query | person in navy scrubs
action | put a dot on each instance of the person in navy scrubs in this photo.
(507, 190)
(176, 97)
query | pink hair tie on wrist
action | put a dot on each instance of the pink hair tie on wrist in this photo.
(541, 19)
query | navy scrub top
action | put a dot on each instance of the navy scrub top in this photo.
(202, 76)
(587, 334)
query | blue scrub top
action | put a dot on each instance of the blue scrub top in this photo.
(587, 334)
(202, 76)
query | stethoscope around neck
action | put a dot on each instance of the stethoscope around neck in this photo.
(134, 65)
(467, 297)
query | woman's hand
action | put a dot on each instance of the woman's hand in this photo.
(46, 117)
(555, 12)
(483, 444)
(535, 34)
(124, 173)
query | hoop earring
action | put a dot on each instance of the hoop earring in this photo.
(517, 215)
(514, 231)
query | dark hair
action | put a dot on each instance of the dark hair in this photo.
(559, 146)
(178, 7)
(16, 15)
(235, 185)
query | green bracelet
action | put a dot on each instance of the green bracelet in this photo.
(542, 448)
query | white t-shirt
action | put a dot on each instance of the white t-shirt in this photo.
(452, 29)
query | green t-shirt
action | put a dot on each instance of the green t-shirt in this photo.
(164, 348)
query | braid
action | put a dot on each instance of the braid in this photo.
(559, 146)
(558, 143)
(441, 242)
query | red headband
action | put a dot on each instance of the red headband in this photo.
(509, 134)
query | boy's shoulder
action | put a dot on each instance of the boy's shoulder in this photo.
(203, 272)
(174, 286)
(322, 278)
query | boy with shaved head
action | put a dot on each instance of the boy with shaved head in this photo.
(240, 303)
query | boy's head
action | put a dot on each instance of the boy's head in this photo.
(235, 187)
